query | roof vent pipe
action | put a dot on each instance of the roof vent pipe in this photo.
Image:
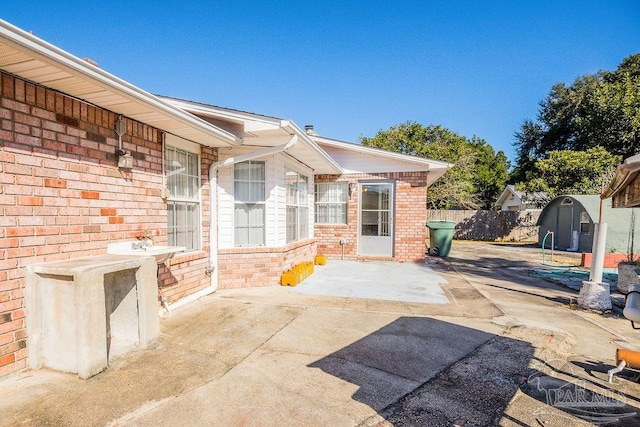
(308, 129)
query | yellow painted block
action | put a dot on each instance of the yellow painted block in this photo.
(288, 279)
(320, 260)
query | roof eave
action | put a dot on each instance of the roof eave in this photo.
(625, 173)
(313, 146)
(332, 167)
(41, 50)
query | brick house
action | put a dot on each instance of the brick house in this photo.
(359, 202)
(385, 202)
(70, 185)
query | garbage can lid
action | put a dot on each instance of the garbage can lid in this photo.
(444, 224)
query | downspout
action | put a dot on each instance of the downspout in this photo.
(213, 206)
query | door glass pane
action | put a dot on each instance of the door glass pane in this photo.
(370, 197)
(370, 224)
(383, 220)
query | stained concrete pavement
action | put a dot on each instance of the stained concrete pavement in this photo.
(278, 355)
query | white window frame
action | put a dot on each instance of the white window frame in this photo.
(584, 219)
(256, 204)
(184, 204)
(297, 205)
(342, 203)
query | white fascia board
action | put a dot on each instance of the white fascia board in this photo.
(433, 164)
(309, 142)
(53, 55)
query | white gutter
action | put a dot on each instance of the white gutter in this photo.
(213, 184)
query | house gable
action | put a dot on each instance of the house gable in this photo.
(355, 158)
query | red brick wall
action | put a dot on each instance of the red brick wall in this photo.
(410, 218)
(62, 196)
(261, 266)
(187, 274)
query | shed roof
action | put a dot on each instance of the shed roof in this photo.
(591, 203)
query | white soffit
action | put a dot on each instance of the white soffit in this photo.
(33, 59)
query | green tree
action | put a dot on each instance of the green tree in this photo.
(478, 175)
(491, 172)
(571, 172)
(600, 109)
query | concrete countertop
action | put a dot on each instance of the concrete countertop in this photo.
(74, 266)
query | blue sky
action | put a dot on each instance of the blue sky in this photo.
(349, 68)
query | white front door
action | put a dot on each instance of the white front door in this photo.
(375, 233)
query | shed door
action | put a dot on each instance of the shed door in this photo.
(564, 228)
(375, 235)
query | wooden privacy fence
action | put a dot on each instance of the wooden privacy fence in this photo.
(510, 226)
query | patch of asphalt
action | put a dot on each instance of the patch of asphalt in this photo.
(521, 378)
(472, 392)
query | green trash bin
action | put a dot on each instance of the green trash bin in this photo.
(440, 237)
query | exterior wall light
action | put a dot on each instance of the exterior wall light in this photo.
(125, 160)
(353, 186)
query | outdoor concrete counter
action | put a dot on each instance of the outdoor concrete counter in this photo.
(83, 311)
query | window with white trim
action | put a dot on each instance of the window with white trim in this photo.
(183, 203)
(331, 202)
(584, 222)
(297, 188)
(249, 209)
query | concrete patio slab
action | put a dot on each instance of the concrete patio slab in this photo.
(275, 356)
(393, 281)
(294, 381)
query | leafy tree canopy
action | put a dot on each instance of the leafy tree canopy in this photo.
(571, 172)
(600, 109)
(479, 173)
